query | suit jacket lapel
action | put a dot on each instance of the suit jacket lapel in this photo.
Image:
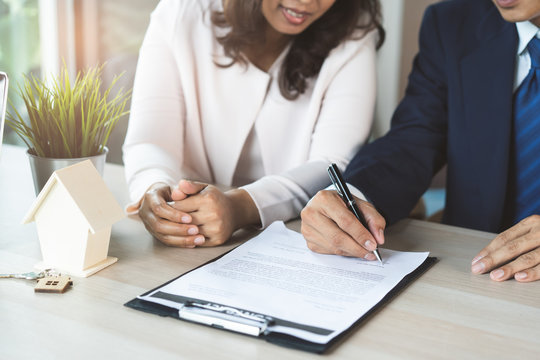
(487, 76)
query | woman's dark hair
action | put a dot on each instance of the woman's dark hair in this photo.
(309, 49)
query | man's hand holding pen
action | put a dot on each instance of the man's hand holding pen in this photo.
(330, 227)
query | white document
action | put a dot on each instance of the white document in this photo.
(312, 296)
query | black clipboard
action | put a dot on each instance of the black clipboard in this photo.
(281, 339)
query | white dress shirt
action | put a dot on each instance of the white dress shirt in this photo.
(526, 31)
(192, 119)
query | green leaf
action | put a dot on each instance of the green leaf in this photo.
(68, 118)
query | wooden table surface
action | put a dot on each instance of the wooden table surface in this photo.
(447, 313)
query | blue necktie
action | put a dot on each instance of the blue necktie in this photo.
(527, 139)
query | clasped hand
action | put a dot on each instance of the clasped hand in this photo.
(195, 214)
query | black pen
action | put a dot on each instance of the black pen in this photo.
(345, 194)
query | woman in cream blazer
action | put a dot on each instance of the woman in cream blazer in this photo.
(202, 114)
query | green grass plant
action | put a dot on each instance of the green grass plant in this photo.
(68, 119)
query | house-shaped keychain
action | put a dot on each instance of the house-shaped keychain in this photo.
(74, 213)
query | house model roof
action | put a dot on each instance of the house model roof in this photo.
(88, 190)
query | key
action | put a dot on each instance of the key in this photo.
(28, 276)
(53, 284)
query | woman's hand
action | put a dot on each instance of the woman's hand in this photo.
(217, 214)
(169, 225)
(329, 227)
(513, 253)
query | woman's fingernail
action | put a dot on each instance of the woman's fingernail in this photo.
(369, 245)
(381, 234)
(193, 231)
(478, 267)
(185, 219)
(521, 275)
(497, 274)
(199, 240)
(369, 256)
(476, 258)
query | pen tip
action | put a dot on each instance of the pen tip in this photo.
(378, 256)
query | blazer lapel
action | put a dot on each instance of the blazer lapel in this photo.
(238, 94)
(487, 76)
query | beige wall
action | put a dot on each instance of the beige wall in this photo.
(401, 20)
(413, 12)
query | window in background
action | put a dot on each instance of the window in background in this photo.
(38, 36)
(19, 47)
(111, 32)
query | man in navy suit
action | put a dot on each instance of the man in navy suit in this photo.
(460, 110)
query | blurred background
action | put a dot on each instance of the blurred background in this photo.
(37, 36)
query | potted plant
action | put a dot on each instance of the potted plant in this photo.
(68, 121)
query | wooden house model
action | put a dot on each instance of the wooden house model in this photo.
(74, 213)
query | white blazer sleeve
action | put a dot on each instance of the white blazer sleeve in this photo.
(343, 125)
(152, 149)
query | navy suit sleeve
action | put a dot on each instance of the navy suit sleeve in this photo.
(395, 170)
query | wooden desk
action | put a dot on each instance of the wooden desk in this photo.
(447, 314)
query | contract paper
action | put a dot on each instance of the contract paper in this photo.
(313, 296)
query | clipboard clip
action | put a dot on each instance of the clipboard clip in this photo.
(225, 317)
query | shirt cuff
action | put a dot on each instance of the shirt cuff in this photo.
(275, 200)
